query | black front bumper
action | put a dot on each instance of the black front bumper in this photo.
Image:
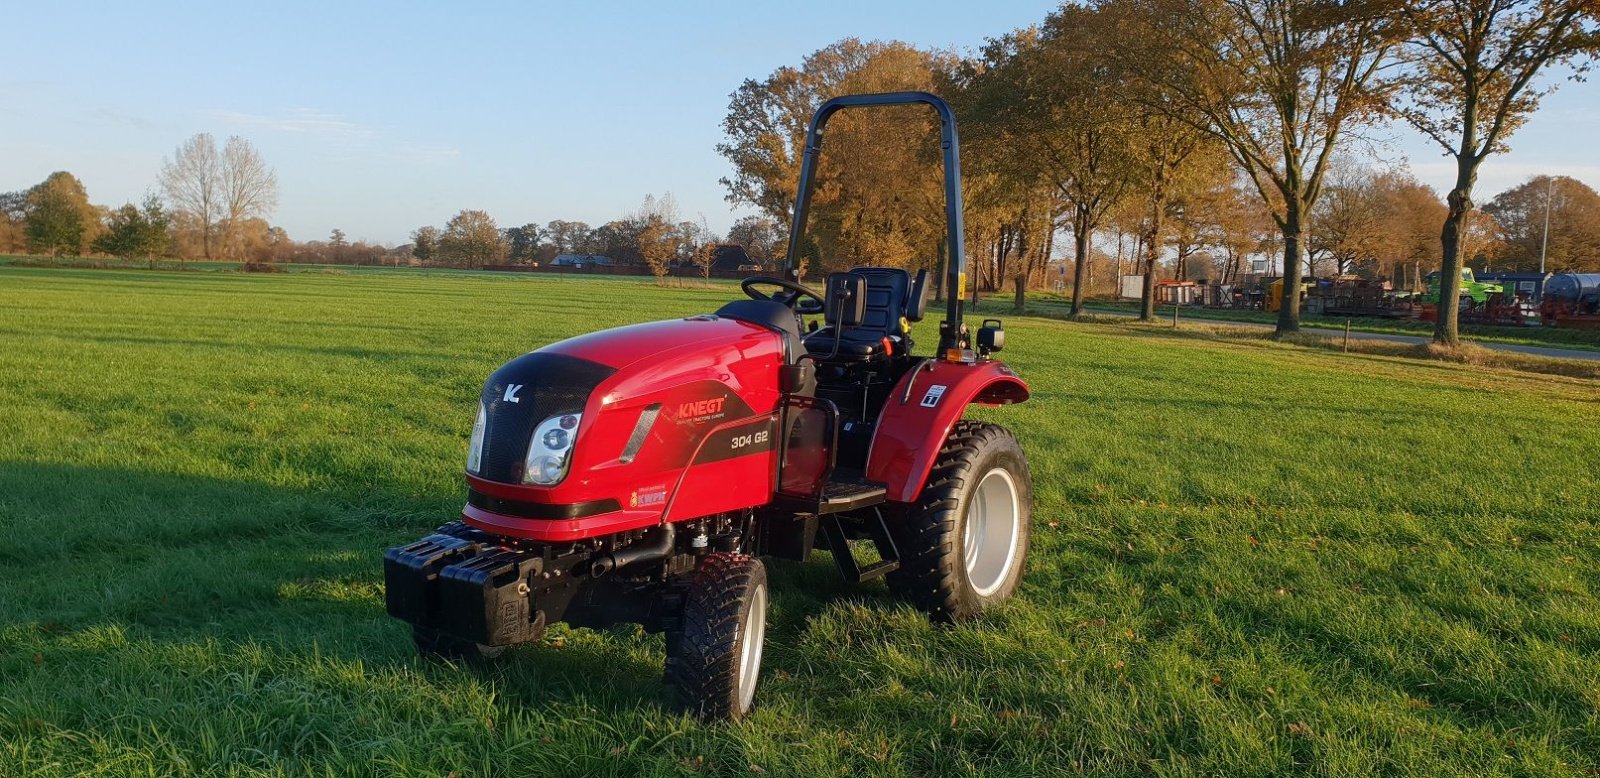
(460, 581)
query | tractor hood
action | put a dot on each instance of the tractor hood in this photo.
(604, 380)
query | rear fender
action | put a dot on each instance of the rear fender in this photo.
(925, 406)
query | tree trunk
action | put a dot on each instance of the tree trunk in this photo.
(1147, 307)
(1446, 326)
(1152, 242)
(1289, 305)
(1080, 258)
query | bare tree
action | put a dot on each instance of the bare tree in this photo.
(249, 186)
(1472, 84)
(192, 181)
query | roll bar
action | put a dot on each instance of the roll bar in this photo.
(950, 332)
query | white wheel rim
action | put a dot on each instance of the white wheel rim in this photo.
(994, 525)
(754, 633)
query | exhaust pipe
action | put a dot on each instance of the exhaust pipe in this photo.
(642, 551)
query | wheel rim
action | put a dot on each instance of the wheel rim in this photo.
(993, 528)
(754, 632)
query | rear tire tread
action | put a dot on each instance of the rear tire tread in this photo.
(930, 573)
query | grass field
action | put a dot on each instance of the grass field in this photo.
(1249, 558)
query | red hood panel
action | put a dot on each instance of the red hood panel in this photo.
(622, 346)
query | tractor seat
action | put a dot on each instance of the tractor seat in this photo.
(888, 293)
(770, 314)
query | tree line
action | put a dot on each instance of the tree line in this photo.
(653, 235)
(1172, 128)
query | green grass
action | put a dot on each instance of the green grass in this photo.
(1249, 558)
(1056, 306)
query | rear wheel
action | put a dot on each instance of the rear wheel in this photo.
(434, 644)
(716, 659)
(964, 543)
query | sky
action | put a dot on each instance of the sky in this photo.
(380, 117)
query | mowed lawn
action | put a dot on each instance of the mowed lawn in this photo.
(1248, 559)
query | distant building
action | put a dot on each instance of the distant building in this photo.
(732, 257)
(581, 260)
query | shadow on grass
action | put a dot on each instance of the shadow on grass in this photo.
(179, 564)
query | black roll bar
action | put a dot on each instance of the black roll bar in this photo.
(949, 142)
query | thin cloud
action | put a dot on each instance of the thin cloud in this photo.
(424, 152)
(297, 120)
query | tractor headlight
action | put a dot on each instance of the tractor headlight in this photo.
(475, 446)
(550, 450)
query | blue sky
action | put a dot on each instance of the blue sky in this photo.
(381, 117)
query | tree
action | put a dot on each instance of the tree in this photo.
(192, 180)
(424, 242)
(1277, 82)
(337, 242)
(1474, 64)
(876, 195)
(656, 234)
(1347, 224)
(1567, 205)
(471, 238)
(569, 237)
(133, 232)
(762, 237)
(13, 221)
(249, 187)
(524, 242)
(59, 216)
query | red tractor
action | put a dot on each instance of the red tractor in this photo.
(639, 474)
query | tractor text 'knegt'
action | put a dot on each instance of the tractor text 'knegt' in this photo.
(639, 474)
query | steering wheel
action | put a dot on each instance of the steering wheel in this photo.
(802, 299)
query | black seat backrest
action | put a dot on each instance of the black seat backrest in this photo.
(888, 291)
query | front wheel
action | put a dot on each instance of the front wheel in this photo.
(964, 543)
(717, 656)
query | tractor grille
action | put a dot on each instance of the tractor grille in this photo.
(524, 392)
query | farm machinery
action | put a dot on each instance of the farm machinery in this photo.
(640, 474)
(1481, 302)
(1571, 300)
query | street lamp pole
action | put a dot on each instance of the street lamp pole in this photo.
(1544, 244)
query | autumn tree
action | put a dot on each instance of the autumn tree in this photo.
(656, 231)
(1043, 105)
(1347, 225)
(60, 219)
(1277, 82)
(137, 232)
(470, 238)
(877, 191)
(1562, 208)
(1474, 79)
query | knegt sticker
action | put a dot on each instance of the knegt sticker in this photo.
(932, 397)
